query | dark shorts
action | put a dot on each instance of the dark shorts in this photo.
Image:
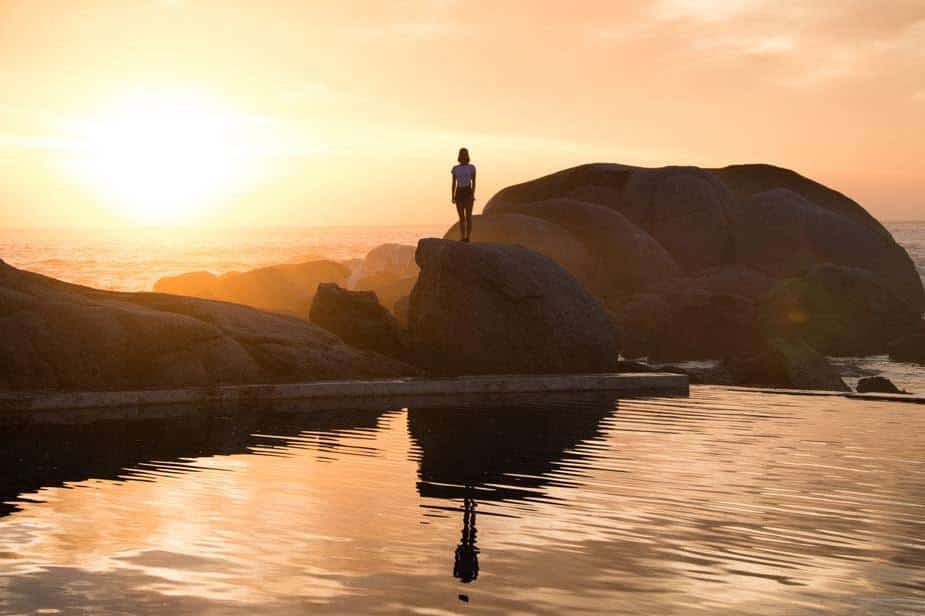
(464, 196)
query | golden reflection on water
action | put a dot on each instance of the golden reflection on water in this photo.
(732, 501)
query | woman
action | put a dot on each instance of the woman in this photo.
(462, 192)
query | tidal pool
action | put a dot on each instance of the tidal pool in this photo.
(727, 501)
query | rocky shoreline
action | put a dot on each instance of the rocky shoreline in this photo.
(754, 266)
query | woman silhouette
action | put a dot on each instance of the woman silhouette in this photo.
(462, 192)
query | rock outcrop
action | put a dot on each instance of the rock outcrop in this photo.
(878, 385)
(287, 288)
(666, 246)
(911, 346)
(55, 335)
(786, 363)
(358, 319)
(621, 259)
(388, 270)
(838, 311)
(493, 308)
(538, 235)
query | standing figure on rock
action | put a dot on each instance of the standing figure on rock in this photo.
(462, 192)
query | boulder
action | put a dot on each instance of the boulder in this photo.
(401, 308)
(838, 311)
(394, 261)
(530, 232)
(910, 347)
(786, 363)
(287, 288)
(687, 209)
(878, 385)
(499, 308)
(55, 335)
(688, 325)
(622, 258)
(358, 319)
(744, 181)
(387, 287)
(765, 217)
(600, 183)
(729, 279)
(781, 233)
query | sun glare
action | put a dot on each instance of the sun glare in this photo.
(162, 159)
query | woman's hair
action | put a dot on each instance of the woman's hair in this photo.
(463, 157)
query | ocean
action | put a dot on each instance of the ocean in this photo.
(112, 259)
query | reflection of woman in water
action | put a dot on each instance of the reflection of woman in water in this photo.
(462, 191)
(466, 560)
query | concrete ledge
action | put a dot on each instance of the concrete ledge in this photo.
(66, 407)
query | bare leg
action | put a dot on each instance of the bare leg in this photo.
(468, 221)
(461, 210)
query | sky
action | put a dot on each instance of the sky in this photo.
(293, 113)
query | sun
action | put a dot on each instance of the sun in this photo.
(162, 158)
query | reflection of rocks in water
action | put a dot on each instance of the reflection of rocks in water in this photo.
(37, 456)
(503, 452)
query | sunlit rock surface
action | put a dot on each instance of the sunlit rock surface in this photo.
(287, 288)
(55, 335)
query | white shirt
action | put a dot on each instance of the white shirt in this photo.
(464, 175)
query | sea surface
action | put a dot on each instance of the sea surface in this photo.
(727, 502)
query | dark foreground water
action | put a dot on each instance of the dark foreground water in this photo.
(725, 502)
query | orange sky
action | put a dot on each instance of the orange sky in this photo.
(330, 113)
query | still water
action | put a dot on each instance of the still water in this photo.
(727, 501)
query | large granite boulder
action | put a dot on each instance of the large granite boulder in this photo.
(839, 311)
(783, 234)
(55, 335)
(358, 319)
(689, 324)
(287, 288)
(769, 218)
(539, 235)
(911, 346)
(622, 259)
(688, 210)
(497, 308)
(786, 363)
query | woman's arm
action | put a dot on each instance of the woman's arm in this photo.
(473, 183)
(453, 189)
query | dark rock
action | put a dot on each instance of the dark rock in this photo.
(747, 180)
(358, 319)
(788, 364)
(686, 209)
(782, 234)
(689, 324)
(538, 235)
(770, 218)
(288, 288)
(496, 309)
(878, 385)
(387, 287)
(910, 347)
(600, 183)
(838, 311)
(401, 308)
(55, 335)
(622, 258)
